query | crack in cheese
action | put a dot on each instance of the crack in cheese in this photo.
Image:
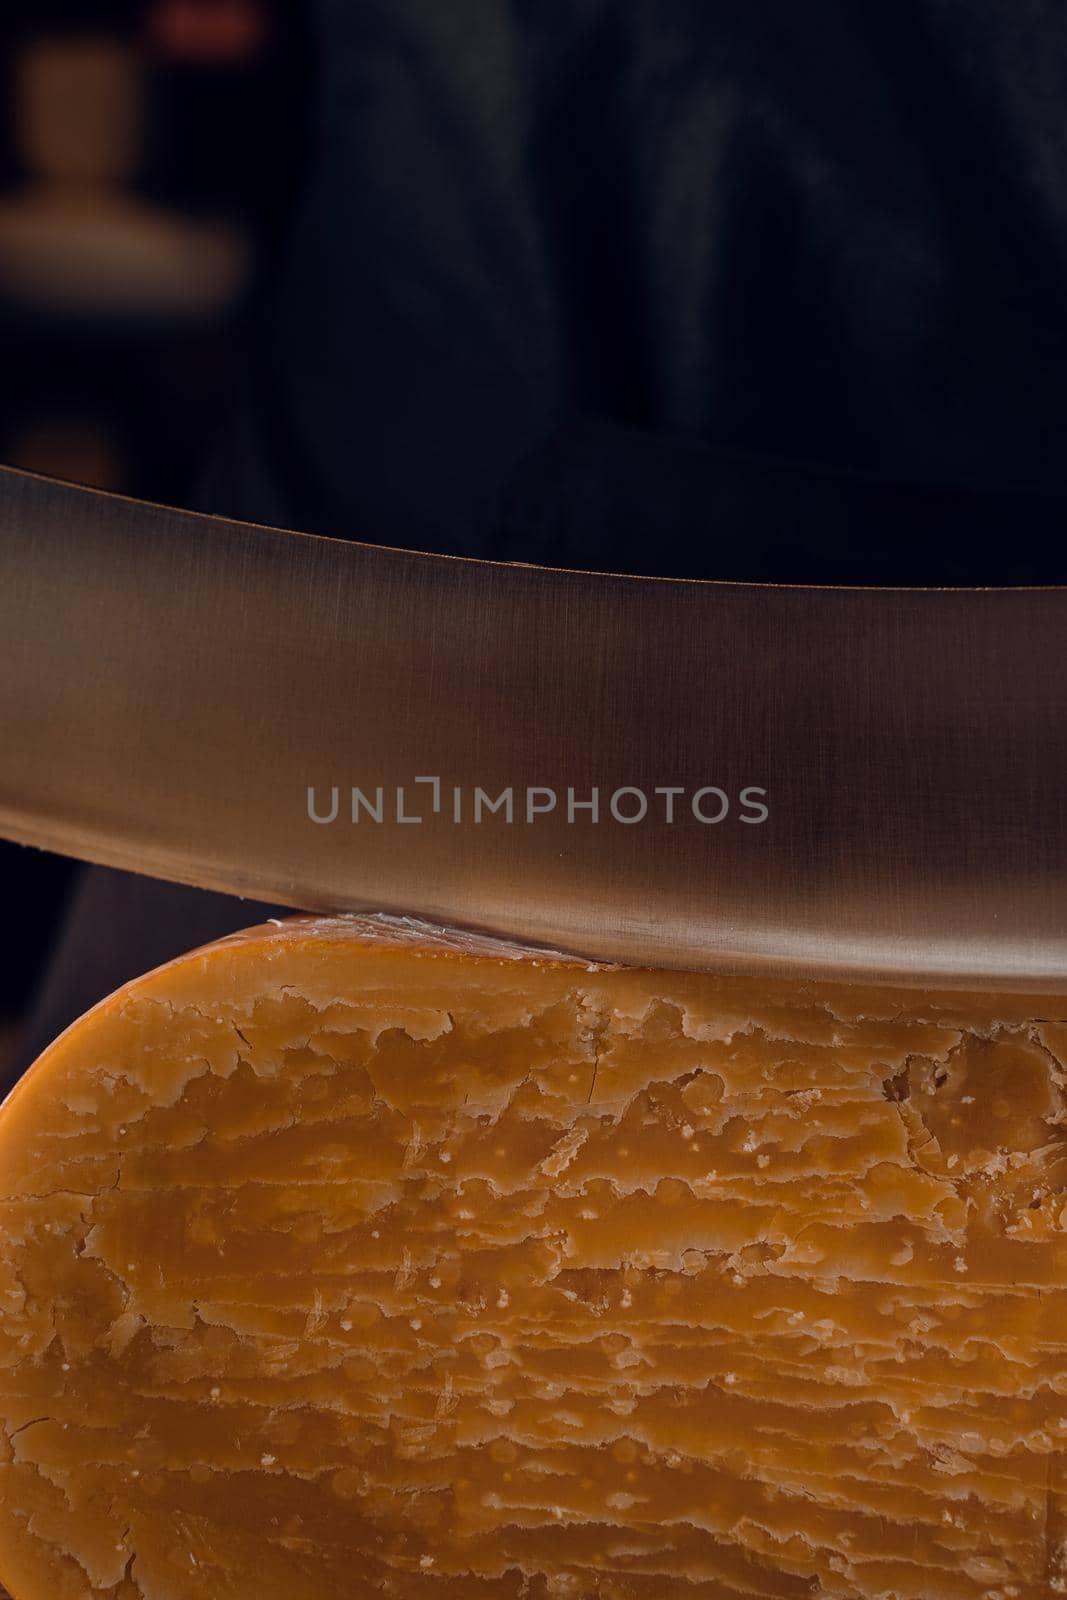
(341, 1260)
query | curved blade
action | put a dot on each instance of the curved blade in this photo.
(172, 686)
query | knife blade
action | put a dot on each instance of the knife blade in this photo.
(835, 782)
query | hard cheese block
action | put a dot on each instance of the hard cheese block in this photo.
(340, 1260)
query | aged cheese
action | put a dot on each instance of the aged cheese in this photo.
(339, 1261)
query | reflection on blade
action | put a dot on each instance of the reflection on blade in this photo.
(742, 777)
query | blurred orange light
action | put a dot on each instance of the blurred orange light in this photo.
(207, 32)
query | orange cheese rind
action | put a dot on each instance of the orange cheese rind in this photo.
(347, 1257)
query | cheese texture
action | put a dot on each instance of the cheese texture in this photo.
(342, 1260)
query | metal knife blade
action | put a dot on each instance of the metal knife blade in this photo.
(182, 695)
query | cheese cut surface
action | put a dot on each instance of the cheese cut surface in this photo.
(340, 1261)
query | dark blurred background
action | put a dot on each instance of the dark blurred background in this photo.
(149, 157)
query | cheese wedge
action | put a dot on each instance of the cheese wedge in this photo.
(348, 1259)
